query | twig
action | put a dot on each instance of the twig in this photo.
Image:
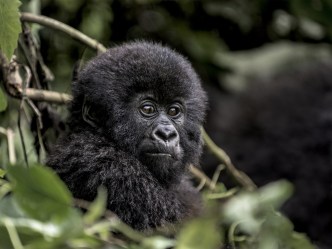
(238, 176)
(216, 174)
(21, 133)
(12, 232)
(45, 95)
(54, 24)
(10, 143)
(201, 176)
(115, 222)
(83, 204)
(31, 59)
(13, 85)
(223, 195)
(11, 146)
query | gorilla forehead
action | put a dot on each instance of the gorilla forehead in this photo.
(139, 67)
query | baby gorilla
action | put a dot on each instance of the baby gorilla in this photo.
(134, 128)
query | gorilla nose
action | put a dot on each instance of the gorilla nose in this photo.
(165, 133)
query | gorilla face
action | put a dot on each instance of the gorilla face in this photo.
(160, 148)
(148, 101)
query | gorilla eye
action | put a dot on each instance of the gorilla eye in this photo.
(148, 109)
(174, 111)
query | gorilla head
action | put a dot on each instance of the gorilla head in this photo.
(148, 101)
(140, 107)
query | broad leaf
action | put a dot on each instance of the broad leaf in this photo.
(40, 193)
(198, 234)
(10, 26)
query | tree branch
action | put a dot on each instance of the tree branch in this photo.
(202, 177)
(238, 176)
(49, 96)
(54, 24)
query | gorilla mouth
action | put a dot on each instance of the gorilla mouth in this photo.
(158, 154)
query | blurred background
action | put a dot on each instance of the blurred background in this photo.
(266, 65)
(228, 41)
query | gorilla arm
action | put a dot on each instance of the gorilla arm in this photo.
(134, 194)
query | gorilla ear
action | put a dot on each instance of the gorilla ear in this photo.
(87, 114)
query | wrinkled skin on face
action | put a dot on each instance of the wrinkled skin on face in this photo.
(134, 128)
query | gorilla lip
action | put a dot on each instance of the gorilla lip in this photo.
(159, 154)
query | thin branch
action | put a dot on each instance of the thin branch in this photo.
(223, 195)
(201, 176)
(13, 234)
(11, 146)
(30, 57)
(83, 204)
(54, 24)
(13, 82)
(21, 133)
(10, 143)
(238, 176)
(216, 174)
(48, 96)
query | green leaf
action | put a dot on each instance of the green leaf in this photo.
(3, 99)
(251, 208)
(10, 26)
(300, 241)
(158, 242)
(97, 208)
(8, 208)
(275, 193)
(2, 173)
(198, 234)
(34, 232)
(40, 192)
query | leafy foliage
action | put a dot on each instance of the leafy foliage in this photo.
(316, 11)
(10, 26)
(253, 214)
(39, 214)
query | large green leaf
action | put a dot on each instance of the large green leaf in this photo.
(33, 233)
(40, 193)
(200, 233)
(252, 208)
(10, 26)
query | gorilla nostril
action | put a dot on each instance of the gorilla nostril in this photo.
(166, 134)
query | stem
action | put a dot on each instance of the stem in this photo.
(13, 235)
(48, 96)
(201, 176)
(54, 24)
(10, 143)
(11, 146)
(238, 176)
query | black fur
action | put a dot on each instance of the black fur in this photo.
(107, 153)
